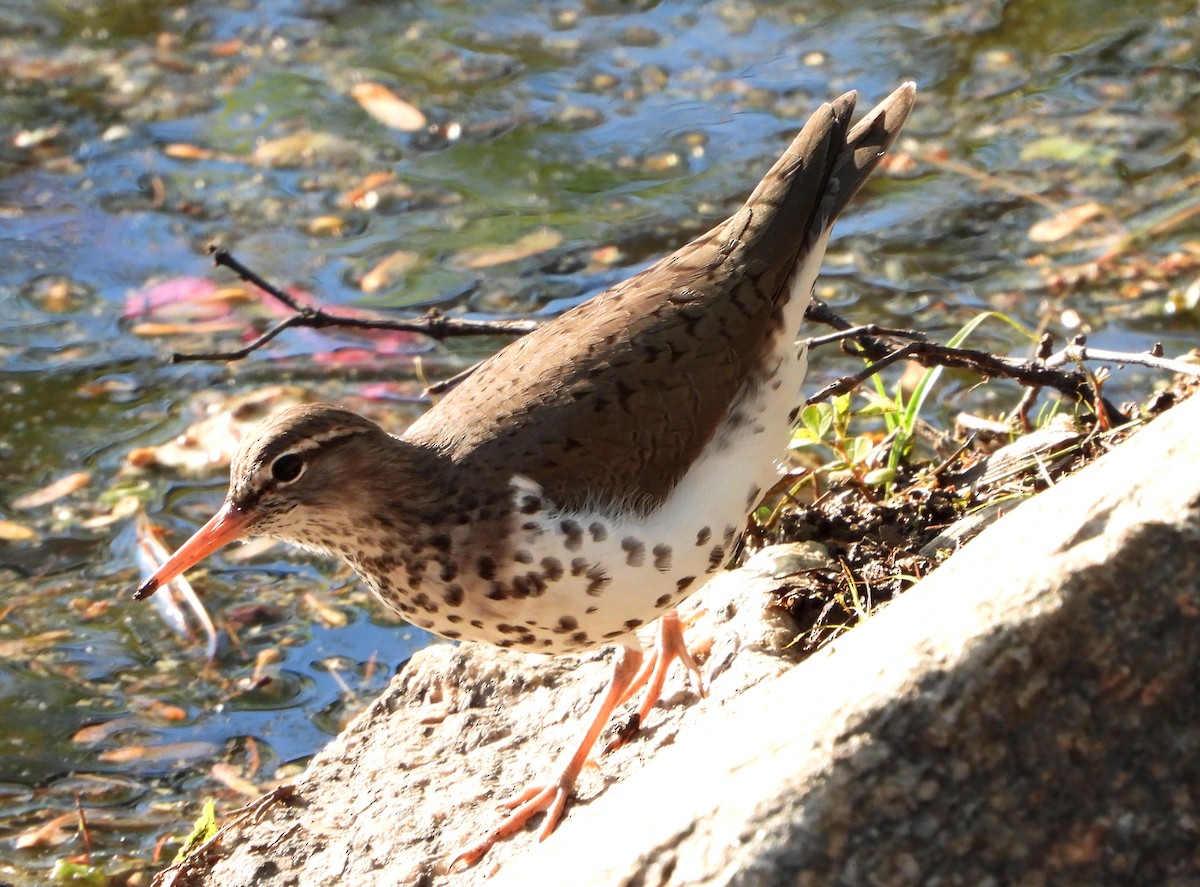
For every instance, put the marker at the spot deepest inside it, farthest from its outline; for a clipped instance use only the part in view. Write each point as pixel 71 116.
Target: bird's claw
pixel 526 805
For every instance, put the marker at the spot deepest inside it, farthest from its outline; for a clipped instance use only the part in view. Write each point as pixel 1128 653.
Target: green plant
pixel 204 828
pixel 827 426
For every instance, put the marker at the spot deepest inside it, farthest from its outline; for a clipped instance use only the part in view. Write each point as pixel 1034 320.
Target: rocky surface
pixel 1027 714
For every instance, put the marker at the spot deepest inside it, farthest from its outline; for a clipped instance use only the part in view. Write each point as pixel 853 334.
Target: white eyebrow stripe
pixel 306 445
pixel 313 441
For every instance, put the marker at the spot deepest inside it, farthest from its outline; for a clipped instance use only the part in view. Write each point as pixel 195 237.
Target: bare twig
pixel 446 384
pixel 84 831
pixel 1078 351
pixel 240 353
pixel 1036 374
pixel 871 341
pixel 868 329
pixel 433 324
pixel 222 257
pixel 982 362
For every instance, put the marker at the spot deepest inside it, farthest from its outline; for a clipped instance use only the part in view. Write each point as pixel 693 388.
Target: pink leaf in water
pixel 191 297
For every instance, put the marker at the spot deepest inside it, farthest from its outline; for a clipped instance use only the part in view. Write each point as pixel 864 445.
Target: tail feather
pixel 865 146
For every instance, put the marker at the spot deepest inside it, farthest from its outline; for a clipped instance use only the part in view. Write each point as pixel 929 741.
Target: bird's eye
pixel 287 468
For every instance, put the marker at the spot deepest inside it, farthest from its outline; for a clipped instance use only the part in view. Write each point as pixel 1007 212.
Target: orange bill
pixel 222 528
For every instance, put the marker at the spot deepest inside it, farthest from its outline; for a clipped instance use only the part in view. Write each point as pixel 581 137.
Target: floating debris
pixel 52 492
pixel 387 107
pixel 388 270
pixel 211 442
pixel 1064 223
pixel 531 244
pixel 152 554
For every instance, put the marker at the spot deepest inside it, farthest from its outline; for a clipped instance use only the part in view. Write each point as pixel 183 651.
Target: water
pixel 136 133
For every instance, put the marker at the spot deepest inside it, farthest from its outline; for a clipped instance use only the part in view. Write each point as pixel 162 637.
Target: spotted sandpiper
pixel 589 477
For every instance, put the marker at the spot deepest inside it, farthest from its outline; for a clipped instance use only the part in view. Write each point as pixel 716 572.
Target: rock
pixel 1027 714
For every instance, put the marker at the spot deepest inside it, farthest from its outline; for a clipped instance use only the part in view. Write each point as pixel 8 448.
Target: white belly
pixel 617 573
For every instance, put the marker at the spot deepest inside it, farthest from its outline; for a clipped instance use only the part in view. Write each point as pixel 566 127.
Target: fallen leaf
pixel 11 531
pixel 1066 222
pixel 304 149
pixel 227 775
pixel 358 196
pixel 57 298
pixel 185 298
pixel 31 138
pixel 142 457
pixel 254 547
pixel 663 161
pixel 203 830
pixel 182 151
pixel 48 834
pixel 212 441
pixel 77 870
pixel 124 507
pixel 531 244
pixel 52 492
pixel 387 107
pixel 897 163
pixel 328 226
pixel 254 614
pixel 329 616
pixel 388 269
pixel 89 610
pixel 171 751
pixel 164 711
pixel 386 391
pixel 93 733
pixel 23 648
pixel 226 48
pixel 1070 319
pixel 1065 149
pixel 266 658
pixel 106 388
pixel 150 330
pixel 606 255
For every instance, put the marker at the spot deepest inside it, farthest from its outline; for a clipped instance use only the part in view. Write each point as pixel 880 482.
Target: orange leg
pixel 553 797
pixel 669 647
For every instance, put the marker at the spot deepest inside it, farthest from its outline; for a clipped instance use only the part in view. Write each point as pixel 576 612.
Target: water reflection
pixel 138 133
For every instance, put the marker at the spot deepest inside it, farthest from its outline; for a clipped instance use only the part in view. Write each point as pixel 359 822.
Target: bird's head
pixel 305 475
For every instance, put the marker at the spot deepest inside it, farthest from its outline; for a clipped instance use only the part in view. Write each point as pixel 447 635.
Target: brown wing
pixel 628 387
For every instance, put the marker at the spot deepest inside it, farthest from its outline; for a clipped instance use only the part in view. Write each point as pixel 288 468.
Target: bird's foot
pixel 528 804
pixel 669 647
pixel 553 797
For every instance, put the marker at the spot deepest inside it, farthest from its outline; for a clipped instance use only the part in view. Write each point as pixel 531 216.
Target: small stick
pixel 434 324
pixel 1076 352
pixel 867 329
pixel 84 832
